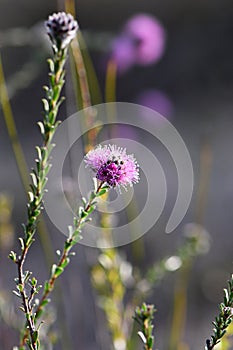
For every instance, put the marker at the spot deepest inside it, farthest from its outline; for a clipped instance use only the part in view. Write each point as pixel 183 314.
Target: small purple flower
pixel 61 28
pixel 142 41
pixel 113 166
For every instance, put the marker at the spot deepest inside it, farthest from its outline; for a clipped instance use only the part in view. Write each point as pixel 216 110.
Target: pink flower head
pixel 142 41
pixel 113 166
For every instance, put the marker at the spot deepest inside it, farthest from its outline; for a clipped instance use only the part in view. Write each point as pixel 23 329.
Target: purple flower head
pixel 142 41
pixel 113 166
pixel 61 29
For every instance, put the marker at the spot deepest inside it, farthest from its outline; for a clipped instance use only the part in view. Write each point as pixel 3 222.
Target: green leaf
pixel 13 256
pixel 20 287
pixel 41 126
pixel 38 152
pixel 84 214
pixel 16 293
pixel 33 281
pixel 90 210
pixel 58 271
pixel 45 302
pixel 150 342
pixel 101 192
pixel 46 104
pixel 92 196
pixel 27 274
pixel 46 287
pixel 84 201
pixel 22 243
pixel 142 336
pixel 51 64
pixel 56 93
pixel 34 179
pixel 35 336
pixel 31 196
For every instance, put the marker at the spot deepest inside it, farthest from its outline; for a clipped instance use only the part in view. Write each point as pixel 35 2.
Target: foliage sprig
pixel 224 318
pixel 144 316
pixel 26 284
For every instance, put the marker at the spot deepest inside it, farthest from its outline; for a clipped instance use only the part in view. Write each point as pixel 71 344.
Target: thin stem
pixel 20 160
pixel 11 129
pixel 110 83
pixel 84 87
pixel 86 102
pixel 67 247
pixel 64 259
pixel 25 301
pixel 39 180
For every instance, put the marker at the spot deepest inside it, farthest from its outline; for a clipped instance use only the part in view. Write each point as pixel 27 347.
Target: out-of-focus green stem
pixel 204 178
pixel 110 83
pixel 11 128
pixel 179 308
pixel 180 294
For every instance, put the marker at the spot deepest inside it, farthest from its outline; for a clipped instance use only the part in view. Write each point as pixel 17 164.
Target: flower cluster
pixel 113 166
pixel 61 28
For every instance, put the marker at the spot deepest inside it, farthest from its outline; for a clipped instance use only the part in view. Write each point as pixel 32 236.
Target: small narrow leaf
pixel 46 104
pixel 38 152
pixel 51 64
pixel 41 126
pixel 142 336
pixel 35 336
pixel 54 266
pixel 101 192
pixel 22 243
pixel 34 179
pixel 16 293
pixel 31 196
pixel 45 302
pixel 65 263
pixel 84 201
pixel 58 271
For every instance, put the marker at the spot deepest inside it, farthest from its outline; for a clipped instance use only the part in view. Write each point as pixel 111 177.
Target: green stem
pixel 58 269
pixel 39 180
pixel 11 129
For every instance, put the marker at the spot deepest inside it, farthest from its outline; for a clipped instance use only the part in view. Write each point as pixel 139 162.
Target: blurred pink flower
pixel 149 36
pixel 123 53
pixel 158 101
pixel 142 41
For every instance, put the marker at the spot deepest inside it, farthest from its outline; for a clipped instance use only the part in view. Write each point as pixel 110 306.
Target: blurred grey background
pixel 196 73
